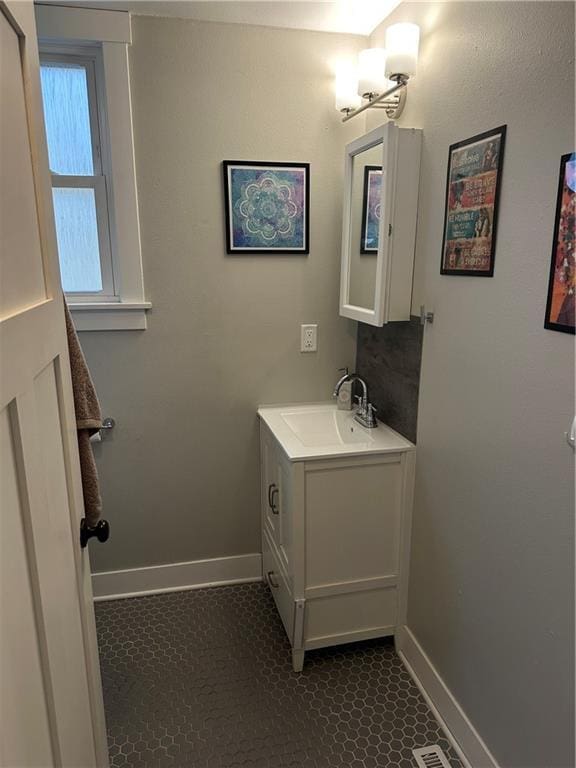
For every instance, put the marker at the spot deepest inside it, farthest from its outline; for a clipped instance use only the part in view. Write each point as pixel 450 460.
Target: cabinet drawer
pixel 273 574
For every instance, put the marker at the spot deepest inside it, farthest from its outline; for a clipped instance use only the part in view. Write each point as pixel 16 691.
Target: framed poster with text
pixel 561 303
pixel 471 213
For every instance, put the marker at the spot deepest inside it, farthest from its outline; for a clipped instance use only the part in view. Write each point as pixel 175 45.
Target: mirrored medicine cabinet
pixel 379 224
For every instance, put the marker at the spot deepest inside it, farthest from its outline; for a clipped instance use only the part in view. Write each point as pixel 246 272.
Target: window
pixel 88 113
pixel 74 130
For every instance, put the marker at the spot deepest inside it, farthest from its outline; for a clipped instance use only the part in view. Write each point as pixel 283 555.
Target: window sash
pixel 98 184
pixel 88 63
pixel 90 60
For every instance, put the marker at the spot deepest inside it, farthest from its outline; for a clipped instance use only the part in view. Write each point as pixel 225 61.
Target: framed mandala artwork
pixel 267 207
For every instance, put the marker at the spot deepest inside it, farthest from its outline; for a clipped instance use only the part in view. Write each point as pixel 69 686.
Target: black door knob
pixel 101 530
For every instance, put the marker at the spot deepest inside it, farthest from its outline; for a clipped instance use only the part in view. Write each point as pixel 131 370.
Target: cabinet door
pixel 277 499
pixel 270 486
pixel 285 516
pixel 353 513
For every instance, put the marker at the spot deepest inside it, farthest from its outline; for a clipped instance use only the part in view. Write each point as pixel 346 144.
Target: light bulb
pixel 346 87
pixel 402 49
pixel 371 67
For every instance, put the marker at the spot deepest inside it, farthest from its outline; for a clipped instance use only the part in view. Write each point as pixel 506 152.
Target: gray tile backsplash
pixel 389 358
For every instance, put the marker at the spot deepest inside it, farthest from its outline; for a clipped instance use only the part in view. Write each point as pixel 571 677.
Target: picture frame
pixel 560 301
pixel 471 208
pixel 371 201
pixel 267 207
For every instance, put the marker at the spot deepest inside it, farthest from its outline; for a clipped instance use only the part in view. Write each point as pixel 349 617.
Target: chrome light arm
pixel 392 100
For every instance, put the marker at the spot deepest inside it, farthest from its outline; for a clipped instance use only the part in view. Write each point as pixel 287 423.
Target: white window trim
pixel 111 30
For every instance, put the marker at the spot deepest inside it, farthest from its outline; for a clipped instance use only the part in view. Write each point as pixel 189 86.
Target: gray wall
pixel 180 475
pixel 491 597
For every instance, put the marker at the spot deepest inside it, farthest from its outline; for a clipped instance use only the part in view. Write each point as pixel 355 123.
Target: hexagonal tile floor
pixel 203 679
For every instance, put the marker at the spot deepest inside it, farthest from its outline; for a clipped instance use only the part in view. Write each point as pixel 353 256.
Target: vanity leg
pixel 297 660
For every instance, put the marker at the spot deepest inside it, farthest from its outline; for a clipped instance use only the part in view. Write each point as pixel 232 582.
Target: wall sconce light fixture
pixel 382 75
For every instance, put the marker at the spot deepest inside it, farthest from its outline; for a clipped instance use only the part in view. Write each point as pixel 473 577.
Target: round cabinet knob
pixel 101 531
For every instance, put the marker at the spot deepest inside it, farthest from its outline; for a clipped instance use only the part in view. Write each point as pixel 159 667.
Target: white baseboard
pixel 176 577
pixel 460 731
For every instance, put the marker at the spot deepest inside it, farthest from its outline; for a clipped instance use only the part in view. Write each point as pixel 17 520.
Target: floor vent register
pixel 430 757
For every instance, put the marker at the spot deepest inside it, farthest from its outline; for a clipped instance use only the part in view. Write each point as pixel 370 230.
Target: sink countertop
pixel 321 431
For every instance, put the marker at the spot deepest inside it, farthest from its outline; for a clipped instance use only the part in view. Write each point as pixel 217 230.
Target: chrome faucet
pixel 365 413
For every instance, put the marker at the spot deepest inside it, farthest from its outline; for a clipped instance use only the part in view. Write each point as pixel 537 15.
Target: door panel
pixel 52 711
pixel 51 524
pixel 24 713
pixel 22 272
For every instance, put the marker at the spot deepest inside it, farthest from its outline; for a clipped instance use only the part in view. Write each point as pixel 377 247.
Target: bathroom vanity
pixel 336 517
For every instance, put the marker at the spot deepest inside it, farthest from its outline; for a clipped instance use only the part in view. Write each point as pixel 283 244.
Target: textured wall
pixel 491 598
pixel 180 474
pixel 389 358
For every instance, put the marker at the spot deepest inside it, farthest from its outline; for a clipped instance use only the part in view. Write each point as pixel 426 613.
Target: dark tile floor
pixel 203 679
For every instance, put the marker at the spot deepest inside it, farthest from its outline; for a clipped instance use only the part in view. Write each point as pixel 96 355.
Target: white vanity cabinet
pixel 335 537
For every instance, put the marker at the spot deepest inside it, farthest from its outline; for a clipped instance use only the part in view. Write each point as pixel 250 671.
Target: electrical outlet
pixel 308 338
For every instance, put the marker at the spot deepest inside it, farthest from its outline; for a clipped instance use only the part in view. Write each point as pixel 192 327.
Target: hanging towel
pixel 88 422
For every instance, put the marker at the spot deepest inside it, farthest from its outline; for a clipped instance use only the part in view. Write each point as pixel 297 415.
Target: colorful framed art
pixel 267 207
pixel 560 305
pixel 472 197
pixel 371 203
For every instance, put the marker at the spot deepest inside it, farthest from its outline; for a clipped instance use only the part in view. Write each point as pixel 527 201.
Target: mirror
pixel 363 249
pixel 364 226
pixel 379 224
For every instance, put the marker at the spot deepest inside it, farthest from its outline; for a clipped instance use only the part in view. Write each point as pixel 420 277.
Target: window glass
pixel 77 233
pixel 67 117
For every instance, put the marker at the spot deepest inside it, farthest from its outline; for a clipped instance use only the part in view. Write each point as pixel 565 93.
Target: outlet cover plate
pixel 309 337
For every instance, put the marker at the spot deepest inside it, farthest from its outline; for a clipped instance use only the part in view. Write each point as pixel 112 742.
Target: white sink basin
pixel 326 427
pixel 320 430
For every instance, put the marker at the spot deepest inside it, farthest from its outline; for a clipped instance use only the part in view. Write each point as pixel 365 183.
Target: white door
pixel 51 711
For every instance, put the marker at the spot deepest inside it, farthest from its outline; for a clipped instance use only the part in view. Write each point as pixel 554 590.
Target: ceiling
pixel 351 16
